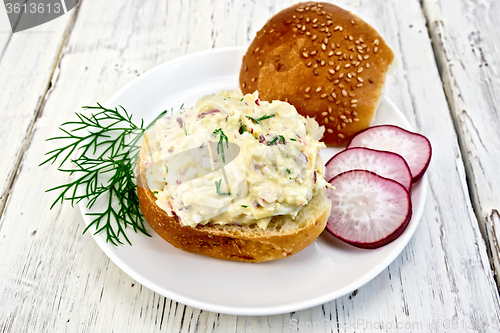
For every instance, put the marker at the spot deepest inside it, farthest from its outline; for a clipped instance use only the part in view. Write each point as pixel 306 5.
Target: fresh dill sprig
pixel 104 147
pixel 220 144
pixel 264 117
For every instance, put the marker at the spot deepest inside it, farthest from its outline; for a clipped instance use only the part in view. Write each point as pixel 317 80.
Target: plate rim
pixel 266 310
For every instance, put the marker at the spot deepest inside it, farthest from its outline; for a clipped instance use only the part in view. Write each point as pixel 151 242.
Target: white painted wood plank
pixel 60 281
pixel 26 67
pixel 467 43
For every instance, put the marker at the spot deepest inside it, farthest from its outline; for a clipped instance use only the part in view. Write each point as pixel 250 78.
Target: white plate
pixel 324 271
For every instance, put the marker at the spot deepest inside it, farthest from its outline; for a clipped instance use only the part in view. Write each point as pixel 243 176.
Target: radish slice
pixel 415 148
pixel 383 163
pixel 368 211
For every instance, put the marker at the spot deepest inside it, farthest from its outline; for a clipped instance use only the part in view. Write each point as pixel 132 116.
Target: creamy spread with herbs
pixel 272 166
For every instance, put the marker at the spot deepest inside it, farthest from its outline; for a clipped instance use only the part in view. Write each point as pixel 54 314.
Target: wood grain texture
pixel 467 43
pixel 27 66
pixel 54 279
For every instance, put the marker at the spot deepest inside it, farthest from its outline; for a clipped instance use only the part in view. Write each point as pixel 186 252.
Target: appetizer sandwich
pixel 235 178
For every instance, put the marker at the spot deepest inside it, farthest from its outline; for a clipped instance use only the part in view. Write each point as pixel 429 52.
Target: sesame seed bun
pixel 325 61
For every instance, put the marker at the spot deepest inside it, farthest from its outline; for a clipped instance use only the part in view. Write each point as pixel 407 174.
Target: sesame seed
pixel 323 47
pixel 244 84
pixel 371 81
pixel 331 71
pixel 356 119
pixel 348 80
pixel 314 37
pixel 305 55
pixel 331 118
pixel 299 26
pixel 357 63
pixel 271 31
pixel 351 94
pixel 315 20
pixel 260 63
pixel 354 101
pixel 253 79
pixel 325 41
pixel 352 22
pixel 324 113
pixel 342 117
pixel 315 66
pixel 375 49
pixel 366 57
pixel 313 52
pixel 294 29
pixel 308 89
pixel 343 124
pixel 299 10
pixel 347 65
pixel 318 89
pixel 368 65
pixel 336 81
pixel 360 79
pixel 337 68
pixel 315 72
pixel 329 23
pixel 331 63
pixel 341 75
pixel 360 57
pixel 330 54
pixel 309 64
pixel 345 121
pixel 323 96
pixel 256 50
pixel 326 120
pixel 334 95
pixel 307 96
pixel 330 99
pixel 340 135
pixel 330 130
pixel 329 109
pixel 336 28
pixel 354 113
pixel 364 46
pixel 349 75
pixel 361 40
pixel 357 42
pixel 308 33
pixel 323 63
pixel 354 105
pixel 344 93
pixel 341 86
pixel 340 28
pixel 375 42
pixel 360 69
pixel 350 38
pixel 361 51
pixel 359 85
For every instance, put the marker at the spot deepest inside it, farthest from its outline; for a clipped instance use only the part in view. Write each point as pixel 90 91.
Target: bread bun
pixel 325 61
pixel 282 238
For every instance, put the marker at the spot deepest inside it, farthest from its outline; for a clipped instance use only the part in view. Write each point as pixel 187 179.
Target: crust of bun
pixel 282 238
pixel 325 61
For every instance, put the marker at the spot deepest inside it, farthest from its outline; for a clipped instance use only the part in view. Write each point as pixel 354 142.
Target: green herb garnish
pixel 220 144
pixel 242 99
pixel 273 141
pixel 287 170
pixel 244 206
pixel 184 128
pixel 264 117
pixel 292 139
pixel 217 187
pixel 104 147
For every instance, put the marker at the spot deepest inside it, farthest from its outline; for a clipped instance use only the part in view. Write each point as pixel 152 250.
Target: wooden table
pixel 53 279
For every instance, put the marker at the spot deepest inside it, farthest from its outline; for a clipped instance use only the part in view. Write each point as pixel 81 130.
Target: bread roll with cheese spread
pixel 284 208
pixel 325 61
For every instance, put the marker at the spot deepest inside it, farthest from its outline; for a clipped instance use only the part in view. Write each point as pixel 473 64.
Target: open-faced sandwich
pixel 235 178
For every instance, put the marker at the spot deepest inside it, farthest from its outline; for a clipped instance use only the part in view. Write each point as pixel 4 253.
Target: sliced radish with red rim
pixel 368 211
pixel 413 147
pixel 383 163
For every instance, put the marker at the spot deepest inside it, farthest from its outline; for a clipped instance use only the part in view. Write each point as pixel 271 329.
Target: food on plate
pixel 383 163
pixel 234 178
pixel 325 61
pixel 368 211
pixel 413 147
